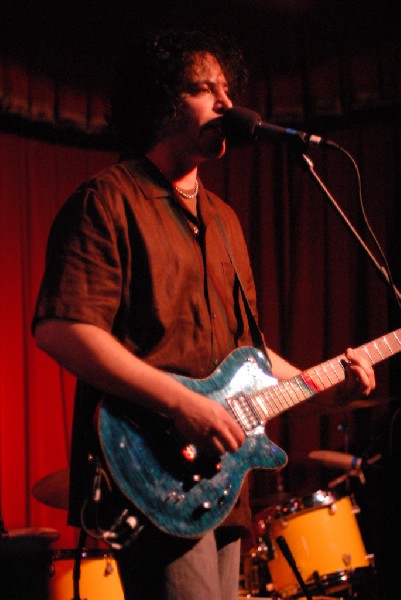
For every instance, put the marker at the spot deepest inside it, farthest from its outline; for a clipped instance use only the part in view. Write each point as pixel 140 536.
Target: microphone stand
pixel 309 167
pixel 285 549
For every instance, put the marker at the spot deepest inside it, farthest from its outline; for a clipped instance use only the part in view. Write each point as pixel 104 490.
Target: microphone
pixel 241 125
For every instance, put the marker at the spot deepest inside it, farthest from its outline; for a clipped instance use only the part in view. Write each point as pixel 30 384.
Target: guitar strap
pixel 257 336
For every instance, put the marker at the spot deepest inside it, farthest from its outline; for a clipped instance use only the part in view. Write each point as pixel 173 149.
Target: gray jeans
pixel 159 567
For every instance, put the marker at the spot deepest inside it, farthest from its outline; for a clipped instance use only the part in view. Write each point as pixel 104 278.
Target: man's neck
pixel 176 171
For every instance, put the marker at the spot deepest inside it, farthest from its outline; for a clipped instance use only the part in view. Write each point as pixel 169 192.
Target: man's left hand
pixel 360 377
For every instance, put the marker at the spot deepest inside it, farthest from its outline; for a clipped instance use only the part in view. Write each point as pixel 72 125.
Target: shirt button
pixel 216 362
pixel 214 316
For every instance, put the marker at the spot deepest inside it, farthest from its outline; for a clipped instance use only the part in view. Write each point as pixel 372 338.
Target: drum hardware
pixel 99 578
pixel 255 581
pixel 285 549
pixel 76 573
pixel 325 541
pixel 343 460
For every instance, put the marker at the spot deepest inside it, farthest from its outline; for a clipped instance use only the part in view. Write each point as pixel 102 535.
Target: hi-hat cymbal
pixel 52 490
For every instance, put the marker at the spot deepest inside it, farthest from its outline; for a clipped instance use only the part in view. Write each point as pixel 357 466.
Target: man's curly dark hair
pixel 149 82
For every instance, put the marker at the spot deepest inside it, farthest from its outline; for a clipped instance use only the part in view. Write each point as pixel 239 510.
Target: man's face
pixel 196 130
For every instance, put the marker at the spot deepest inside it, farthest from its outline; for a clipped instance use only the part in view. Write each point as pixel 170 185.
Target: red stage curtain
pixel 36 395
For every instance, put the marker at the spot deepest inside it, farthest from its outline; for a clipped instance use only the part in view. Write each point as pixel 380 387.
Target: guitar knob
pixel 201 509
pixel 223 498
pixel 190 452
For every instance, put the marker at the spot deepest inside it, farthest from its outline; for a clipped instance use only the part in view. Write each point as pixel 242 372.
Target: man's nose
pixel 223 101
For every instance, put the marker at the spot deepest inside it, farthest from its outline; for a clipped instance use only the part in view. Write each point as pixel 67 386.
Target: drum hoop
pixel 318 499
pixel 338 578
pixel 70 554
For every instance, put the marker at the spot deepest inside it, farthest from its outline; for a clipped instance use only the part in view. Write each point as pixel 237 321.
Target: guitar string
pixel 279 397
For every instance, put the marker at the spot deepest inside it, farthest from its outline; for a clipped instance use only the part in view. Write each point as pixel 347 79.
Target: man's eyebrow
pixel 207 82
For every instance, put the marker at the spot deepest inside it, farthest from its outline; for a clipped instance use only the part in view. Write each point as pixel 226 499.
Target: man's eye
pixel 201 89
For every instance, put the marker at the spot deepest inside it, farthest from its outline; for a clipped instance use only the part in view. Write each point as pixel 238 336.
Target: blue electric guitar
pixel 184 493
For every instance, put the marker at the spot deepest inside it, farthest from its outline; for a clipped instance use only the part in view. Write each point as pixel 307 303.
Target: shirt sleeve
pixel 83 275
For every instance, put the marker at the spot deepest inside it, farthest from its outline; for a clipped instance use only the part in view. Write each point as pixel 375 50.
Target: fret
pixel 339 374
pixel 260 406
pixel 278 398
pixel 388 345
pixel 368 354
pixel 291 392
pixel 315 369
pixel 378 351
pixel 273 396
pixel 388 348
pixel 269 401
pixel 383 347
pixel 326 373
pixel 297 389
pixel 284 393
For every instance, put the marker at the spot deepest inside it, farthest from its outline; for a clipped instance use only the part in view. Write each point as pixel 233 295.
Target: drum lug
pixel 333 508
pixel 371 560
pixel 108 569
pixel 347 560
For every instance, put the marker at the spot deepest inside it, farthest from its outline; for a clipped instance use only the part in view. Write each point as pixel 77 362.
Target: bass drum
pixel 324 538
pixel 99 579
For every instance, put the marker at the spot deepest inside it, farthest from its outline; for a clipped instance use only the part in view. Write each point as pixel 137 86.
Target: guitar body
pixel 187 495
pixel 182 496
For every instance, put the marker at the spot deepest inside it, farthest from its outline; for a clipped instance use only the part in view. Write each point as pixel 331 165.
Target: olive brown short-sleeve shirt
pixel 124 256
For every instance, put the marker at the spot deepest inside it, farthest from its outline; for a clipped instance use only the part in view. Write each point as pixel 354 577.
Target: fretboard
pixel 272 401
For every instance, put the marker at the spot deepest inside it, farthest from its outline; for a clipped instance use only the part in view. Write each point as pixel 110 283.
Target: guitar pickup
pixel 243 412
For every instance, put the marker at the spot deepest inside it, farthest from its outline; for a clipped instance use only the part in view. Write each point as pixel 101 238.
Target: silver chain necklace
pixel 185 194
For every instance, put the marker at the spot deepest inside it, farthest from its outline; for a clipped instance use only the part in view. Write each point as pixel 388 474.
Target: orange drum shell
pixel 99 579
pixel 326 539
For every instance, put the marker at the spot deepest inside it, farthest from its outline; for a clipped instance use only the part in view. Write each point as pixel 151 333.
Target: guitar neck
pixel 274 400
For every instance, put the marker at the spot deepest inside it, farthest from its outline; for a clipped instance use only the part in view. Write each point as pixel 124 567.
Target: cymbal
pixel 50 535
pixel 52 490
pixel 322 409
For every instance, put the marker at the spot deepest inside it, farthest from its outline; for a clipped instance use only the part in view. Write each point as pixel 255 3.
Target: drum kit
pixel 305 548
pixel 78 573
pixel 311 546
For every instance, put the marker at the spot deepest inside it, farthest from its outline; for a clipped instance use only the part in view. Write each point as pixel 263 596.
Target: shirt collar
pixel 154 185
pixel 148 177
